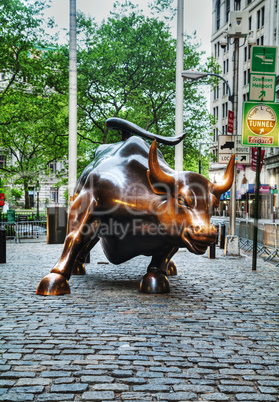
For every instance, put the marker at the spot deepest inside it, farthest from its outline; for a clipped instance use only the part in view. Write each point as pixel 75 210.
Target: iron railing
pixel 25 230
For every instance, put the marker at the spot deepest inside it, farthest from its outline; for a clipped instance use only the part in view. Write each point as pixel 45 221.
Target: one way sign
pixel 243 154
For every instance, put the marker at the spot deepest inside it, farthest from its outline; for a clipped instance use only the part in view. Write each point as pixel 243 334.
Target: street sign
pixel 262 87
pixel 226 147
pixel 11 216
pixel 260 124
pixel 264 59
pixel 230 122
pixel 243 154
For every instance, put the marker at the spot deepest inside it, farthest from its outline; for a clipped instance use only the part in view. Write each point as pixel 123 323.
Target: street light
pixel 196 75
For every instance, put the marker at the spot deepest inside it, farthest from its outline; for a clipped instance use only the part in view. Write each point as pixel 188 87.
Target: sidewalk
pixel 214 337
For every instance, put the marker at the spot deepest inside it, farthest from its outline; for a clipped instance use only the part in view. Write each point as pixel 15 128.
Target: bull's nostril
pixel 197 229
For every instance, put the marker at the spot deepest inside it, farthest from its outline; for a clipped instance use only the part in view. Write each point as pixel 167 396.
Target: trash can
pixel 56 225
pixel 2 245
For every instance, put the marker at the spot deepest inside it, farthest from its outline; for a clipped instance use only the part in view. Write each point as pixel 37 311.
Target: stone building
pixel 261 23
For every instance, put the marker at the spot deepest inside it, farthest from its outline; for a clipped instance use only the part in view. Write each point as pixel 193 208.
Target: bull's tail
pixel 128 128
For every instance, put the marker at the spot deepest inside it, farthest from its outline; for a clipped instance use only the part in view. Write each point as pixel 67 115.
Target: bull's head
pixel 186 203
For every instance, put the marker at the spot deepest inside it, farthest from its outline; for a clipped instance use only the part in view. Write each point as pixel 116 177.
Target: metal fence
pixel 268 238
pixel 25 230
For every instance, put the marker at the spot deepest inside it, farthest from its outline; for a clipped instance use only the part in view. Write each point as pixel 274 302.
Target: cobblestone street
pixel 214 337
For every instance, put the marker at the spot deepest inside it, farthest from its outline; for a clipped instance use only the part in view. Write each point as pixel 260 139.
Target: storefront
pixel 245 202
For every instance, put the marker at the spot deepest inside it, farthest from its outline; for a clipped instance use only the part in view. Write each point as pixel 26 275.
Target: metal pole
pixel 200 158
pixel 72 104
pixel 179 85
pixel 256 218
pixel 38 211
pixel 235 108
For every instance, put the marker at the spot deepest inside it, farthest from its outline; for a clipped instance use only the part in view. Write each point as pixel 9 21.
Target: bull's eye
pixel 181 201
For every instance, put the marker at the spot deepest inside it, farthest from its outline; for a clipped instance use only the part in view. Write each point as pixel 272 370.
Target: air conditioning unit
pixel 238 24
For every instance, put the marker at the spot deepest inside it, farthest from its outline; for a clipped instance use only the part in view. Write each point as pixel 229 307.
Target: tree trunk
pixel 26 196
pixel 105 135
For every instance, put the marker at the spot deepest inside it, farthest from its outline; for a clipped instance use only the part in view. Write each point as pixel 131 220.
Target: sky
pixel 197 15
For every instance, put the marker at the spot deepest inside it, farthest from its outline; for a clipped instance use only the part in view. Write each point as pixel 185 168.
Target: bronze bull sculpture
pixel 135 204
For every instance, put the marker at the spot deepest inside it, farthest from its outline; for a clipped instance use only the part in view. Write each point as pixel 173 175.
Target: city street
pixel 214 337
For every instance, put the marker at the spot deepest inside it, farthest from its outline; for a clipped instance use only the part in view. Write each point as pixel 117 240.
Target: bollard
pixel 212 247
pixel 2 245
pixel 212 251
pixel 222 235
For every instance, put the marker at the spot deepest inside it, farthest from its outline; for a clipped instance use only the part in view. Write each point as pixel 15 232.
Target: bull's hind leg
pixel 82 231
pixel 79 268
pixel 156 281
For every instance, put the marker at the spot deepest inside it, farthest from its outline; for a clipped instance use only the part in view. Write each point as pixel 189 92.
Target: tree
pixel 33 117
pixel 126 68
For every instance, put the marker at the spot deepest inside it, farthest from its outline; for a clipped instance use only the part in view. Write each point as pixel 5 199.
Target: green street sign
pixel 262 87
pixel 11 216
pixel 260 124
pixel 264 59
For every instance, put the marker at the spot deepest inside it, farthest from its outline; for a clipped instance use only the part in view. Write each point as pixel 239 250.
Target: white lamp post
pixel 72 176
pixel 179 85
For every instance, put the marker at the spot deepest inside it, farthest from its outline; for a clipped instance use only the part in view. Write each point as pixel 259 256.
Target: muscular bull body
pixel 135 204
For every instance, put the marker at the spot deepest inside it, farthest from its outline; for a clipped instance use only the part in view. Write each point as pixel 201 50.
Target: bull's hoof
pixel 78 268
pixel 172 269
pixel 154 281
pixel 53 285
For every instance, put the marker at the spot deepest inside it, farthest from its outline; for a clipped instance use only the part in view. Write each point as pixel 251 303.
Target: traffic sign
pixel 260 124
pixel 226 147
pixel 262 87
pixel 230 122
pixel 243 154
pixel 264 59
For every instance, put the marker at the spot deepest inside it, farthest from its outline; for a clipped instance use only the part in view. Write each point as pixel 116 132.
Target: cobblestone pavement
pixel 214 337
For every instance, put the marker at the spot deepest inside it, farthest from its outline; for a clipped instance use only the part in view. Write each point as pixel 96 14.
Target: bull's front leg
pixel 156 281
pixel 81 236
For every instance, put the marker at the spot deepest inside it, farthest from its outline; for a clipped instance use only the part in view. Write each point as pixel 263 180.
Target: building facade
pixel 262 25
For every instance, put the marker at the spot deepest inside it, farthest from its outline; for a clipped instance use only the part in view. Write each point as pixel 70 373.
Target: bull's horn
pixel 155 172
pixel 218 189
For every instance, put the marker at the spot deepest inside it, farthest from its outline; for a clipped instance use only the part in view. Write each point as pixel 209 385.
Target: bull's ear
pixel 157 188
pixel 160 181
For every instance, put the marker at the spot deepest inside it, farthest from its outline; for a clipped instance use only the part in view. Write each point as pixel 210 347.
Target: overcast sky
pixel 197 15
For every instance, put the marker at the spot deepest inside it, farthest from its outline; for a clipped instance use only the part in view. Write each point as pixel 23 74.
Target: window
pixel 245 78
pixel 215 112
pixel 237 5
pixel 258 19
pixel 262 40
pixel 225 110
pixel 228 7
pixel 225 89
pixel 216 93
pixel 250 23
pixel 249 52
pixel 245 53
pixel 52 167
pixel 248 75
pixel 2 161
pixel 218 14
pixel 217 49
pixel 262 16
pixel 54 194
pixel 227 65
